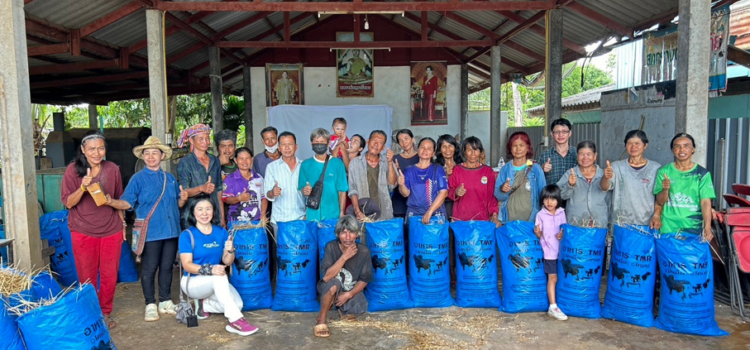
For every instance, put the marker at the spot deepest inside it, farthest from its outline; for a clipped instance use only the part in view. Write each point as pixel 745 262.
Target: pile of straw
pixel 13 281
pixel 432 337
pixel 248 225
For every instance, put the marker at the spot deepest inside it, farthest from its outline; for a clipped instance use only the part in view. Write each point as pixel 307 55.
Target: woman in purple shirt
pixel 243 190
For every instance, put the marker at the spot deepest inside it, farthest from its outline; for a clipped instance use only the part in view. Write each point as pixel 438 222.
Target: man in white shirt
pixel 281 180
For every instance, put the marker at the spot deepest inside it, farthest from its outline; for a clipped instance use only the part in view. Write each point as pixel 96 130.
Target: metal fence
pixel 581 132
pixel 728 153
pixel 728 156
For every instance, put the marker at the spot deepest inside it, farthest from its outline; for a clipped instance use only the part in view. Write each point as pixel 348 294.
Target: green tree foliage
pixel 534 96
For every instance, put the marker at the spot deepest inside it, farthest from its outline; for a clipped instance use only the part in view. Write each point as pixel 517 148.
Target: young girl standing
pixel 547 228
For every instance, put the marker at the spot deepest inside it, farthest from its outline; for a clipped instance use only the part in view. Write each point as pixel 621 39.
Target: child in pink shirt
pixel 547 228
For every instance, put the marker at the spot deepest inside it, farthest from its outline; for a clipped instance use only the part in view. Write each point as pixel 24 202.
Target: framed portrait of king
pixel 284 84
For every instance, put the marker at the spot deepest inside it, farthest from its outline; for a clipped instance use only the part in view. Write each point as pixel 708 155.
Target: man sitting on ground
pixel 346 270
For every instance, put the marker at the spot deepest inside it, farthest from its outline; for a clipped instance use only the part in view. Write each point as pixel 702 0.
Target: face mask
pixel 319 148
pixel 272 149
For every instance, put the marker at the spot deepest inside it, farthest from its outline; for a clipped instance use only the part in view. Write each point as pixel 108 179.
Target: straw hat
pixel 153 142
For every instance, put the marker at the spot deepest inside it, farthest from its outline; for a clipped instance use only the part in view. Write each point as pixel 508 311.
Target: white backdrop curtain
pixel 302 120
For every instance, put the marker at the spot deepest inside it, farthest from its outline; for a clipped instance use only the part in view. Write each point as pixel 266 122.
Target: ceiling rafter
pixel 356 6
pixel 599 18
pixel 110 18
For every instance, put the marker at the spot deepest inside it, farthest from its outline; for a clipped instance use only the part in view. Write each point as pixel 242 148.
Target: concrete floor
pixel 448 328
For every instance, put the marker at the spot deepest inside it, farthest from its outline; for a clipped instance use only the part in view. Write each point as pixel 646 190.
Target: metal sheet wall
pixel 733 164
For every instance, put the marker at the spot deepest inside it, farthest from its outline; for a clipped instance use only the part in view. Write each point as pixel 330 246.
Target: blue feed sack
pixel 388 289
pixel 326 234
pixel 579 271
pixel 128 271
pixel 632 276
pixel 54 228
pixel 686 303
pixel 250 275
pixel 74 321
pixel 476 268
pixel 44 286
pixel 10 337
pixel 297 273
pixel 522 263
pixel 429 271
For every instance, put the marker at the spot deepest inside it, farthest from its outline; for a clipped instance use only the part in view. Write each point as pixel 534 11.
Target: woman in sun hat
pixel 144 191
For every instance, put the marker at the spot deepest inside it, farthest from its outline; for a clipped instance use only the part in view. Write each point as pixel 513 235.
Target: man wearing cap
pixel 156 196
pixel 200 172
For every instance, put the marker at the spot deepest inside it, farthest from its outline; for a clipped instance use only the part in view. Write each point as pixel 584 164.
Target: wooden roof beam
pixel 539 30
pixel 600 18
pixel 356 6
pixel 507 36
pixel 74 67
pixel 491 34
pixel 194 32
pixel 338 44
pixel 110 18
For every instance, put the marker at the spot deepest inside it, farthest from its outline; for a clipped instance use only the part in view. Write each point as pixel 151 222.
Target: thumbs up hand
pixel 209 186
pixel 276 189
pixel 666 183
pixel 572 178
pixel 307 189
pixel 608 172
pixel 401 178
pixel 506 186
pixel 547 167
pixel 87 179
pixel 460 191
pixel 244 197
pixel 183 194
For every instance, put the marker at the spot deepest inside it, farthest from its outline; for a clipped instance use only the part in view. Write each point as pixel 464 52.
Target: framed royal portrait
pixel 284 84
pixel 354 68
pixel 428 101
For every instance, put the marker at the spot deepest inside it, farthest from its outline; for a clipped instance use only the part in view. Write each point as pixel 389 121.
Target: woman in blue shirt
pixel 520 181
pixel 142 193
pixel 424 184
pixel 206 249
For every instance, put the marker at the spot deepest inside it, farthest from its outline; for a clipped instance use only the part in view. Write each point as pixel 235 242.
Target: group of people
pixel 356 179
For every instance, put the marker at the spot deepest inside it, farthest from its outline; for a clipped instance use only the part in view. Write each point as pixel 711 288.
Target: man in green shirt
pixel 685 191
pixel 335 185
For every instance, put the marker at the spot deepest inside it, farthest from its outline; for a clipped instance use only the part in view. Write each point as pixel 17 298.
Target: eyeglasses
pixel 556 133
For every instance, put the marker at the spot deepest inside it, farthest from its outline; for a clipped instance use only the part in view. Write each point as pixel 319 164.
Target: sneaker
pixel 202 315
pixel 151 313
pixel 241 327
pixel 557 313
pixel 167 307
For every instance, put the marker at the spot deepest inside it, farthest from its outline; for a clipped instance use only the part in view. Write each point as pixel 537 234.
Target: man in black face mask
pixel 334 181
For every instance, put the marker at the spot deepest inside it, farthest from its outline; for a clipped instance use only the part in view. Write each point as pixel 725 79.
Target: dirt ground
pixel 447 328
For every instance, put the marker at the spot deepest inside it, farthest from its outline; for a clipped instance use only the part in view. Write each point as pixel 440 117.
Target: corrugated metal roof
pixel 739 23
pixel 73 13
pixel 132 28
pixel 586 97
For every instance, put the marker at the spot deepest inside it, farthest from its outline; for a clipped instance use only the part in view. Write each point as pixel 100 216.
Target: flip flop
pixel 321 331
pixel 349 318
pixel 111 324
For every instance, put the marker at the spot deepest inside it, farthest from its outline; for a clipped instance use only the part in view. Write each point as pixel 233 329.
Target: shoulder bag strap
pixel 325 166
pixel 525 175
pixel 187 282
pixel 164 188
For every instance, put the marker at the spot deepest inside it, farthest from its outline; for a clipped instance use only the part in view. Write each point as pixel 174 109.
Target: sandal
pixel 349 318
pixel 111 324
pixel 321 331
